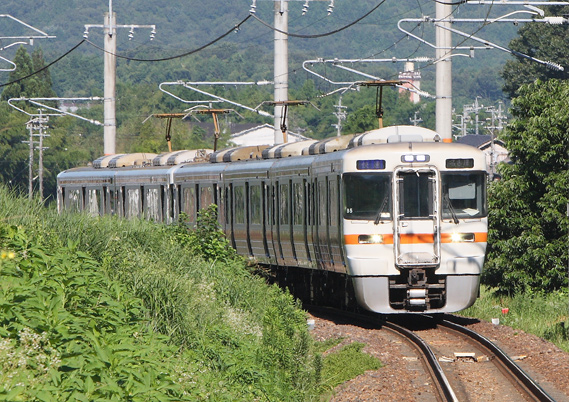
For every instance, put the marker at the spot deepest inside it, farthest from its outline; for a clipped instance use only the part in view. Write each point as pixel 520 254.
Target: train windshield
pixel 367 196
pixel 464 195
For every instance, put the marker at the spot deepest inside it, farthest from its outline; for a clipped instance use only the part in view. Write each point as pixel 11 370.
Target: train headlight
pixel 462 237
pixel 370 239
pixel 410 158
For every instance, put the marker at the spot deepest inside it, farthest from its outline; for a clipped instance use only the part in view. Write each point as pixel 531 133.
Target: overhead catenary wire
pixel 314 36
pixel 45 67
pixel 234 28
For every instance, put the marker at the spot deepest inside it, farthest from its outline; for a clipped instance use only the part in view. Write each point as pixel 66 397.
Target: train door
pixel 334 230
pixel 256 221
pixel 240 231
pixel 269 227
pixel 299 212
pixel 229 230
pixel 285 222
pixel 417 234
pixel 322 224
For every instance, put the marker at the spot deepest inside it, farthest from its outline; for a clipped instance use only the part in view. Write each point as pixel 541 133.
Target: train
pixel 394 218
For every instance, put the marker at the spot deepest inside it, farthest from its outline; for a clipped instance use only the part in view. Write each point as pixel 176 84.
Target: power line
pixel 234 28
pixel 317 35
pixel 45 67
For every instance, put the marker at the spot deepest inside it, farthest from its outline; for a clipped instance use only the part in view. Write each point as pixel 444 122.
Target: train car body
pixel 397 212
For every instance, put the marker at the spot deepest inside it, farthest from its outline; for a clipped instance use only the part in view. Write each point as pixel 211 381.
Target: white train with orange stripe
pixel 394 216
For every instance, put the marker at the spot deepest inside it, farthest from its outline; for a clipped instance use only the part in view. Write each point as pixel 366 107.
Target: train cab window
pixel 239 209
pixel 464 195
pixel 367 196
pixel 416 194
pixel 255 204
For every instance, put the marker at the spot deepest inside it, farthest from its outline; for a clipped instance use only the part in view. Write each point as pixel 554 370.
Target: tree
pixel 528 222
pixel 543 41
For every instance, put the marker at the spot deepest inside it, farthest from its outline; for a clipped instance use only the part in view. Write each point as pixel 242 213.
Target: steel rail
pixel 443 385
pixel 512 368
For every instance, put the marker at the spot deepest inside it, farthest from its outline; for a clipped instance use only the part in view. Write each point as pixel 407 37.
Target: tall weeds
pixel 234 337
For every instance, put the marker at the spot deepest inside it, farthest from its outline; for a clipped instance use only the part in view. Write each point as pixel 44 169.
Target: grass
pixel 542 314
pixel 208 330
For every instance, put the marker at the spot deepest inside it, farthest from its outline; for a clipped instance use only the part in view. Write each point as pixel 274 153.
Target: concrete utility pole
pixel 443 72
pixel 281 60
pixel 110 68
pixel 110 72
pixel 281 67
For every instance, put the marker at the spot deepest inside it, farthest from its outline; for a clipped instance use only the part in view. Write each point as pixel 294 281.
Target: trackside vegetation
pixel 99 308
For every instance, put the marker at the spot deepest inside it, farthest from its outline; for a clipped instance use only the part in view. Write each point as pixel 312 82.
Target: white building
pixel 261 135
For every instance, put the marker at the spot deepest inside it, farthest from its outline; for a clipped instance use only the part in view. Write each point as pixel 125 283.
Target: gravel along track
pixel 403 377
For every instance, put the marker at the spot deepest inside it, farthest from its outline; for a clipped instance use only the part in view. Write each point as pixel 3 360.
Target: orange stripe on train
pixel 417 238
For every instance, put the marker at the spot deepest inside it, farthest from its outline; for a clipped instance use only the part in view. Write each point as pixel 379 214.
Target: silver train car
pixel 398 215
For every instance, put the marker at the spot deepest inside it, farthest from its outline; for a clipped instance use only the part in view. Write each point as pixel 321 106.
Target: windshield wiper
pixel 451 209
pixel 383 204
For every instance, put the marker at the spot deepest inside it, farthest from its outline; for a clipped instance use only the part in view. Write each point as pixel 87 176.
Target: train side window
pixel 284 204
pixel 93 202
pixel 206 196
pixel 189 202
pixel 152 204
pixel 73 199
pixel 132 208
pixel 255 204
pixel 239 192
pixel 228 204
pixel 298 208
pixel 322 203
pixel 333 202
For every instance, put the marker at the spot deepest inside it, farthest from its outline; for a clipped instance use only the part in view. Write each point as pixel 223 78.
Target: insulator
pixel 554 66
pixel 555 20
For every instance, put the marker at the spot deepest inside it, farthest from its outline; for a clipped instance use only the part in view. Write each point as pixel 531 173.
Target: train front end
pixel 415 225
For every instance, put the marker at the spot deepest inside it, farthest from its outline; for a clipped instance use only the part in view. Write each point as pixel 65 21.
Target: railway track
pixel 493 375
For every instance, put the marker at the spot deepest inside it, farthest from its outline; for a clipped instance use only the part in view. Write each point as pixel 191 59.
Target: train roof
pixel 387 135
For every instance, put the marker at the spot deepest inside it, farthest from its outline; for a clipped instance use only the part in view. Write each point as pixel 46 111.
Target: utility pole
pixel 341 115
pixel 280 67
pixel 281 60
pixel 443 71
pixel 34 125
pixel 110 72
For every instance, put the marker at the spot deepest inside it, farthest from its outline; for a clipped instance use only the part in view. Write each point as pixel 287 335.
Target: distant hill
pixel 186 25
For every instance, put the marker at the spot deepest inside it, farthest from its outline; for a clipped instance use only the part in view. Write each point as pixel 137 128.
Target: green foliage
pixel 207 239
pixel 345 364
pixel 543 314
pixel 528 222
pixel 543 41
pixel 67 332
pixel 223 333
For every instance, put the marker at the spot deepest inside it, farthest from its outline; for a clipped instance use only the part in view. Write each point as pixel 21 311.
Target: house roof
pixel 478 141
